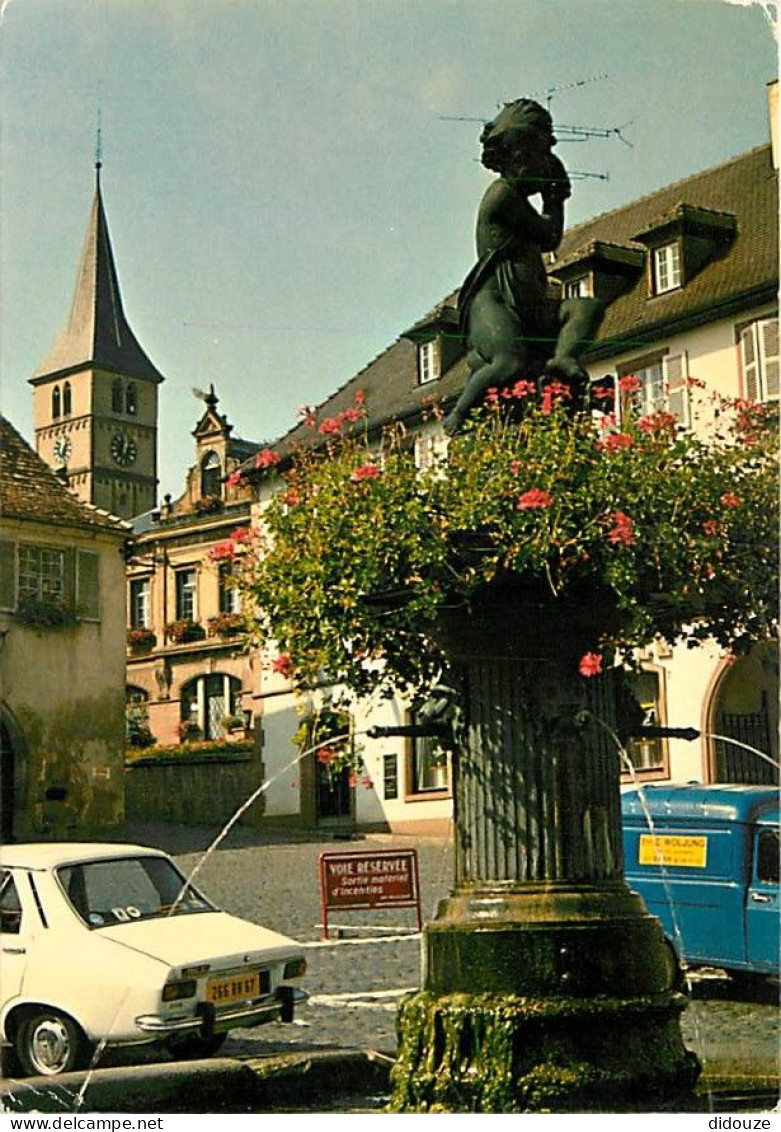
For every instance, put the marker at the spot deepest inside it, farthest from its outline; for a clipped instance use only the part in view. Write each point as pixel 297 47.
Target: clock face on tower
pixel 62 449
pixel 123 449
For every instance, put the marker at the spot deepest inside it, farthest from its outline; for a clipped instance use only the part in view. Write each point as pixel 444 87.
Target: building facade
pixel 192 685
pixel 62 655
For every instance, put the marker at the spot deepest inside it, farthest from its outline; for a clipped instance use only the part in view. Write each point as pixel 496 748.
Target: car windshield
pixel 123 889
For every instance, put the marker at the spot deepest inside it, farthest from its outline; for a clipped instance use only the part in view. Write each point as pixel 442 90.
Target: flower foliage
pixel 361 549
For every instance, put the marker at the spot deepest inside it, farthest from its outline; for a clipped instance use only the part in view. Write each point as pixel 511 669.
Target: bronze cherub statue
pixel 513 328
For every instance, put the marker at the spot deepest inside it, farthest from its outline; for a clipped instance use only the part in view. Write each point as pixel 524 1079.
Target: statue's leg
pixel 496 356
pixel 578 322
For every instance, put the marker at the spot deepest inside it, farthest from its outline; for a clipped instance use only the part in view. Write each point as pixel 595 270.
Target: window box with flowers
pixel 45 612
pixel 189 731
pixel 225 625
pixel 184 631
pixel 140 641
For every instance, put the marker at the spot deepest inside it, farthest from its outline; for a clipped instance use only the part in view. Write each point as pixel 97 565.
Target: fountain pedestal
pixel 547 986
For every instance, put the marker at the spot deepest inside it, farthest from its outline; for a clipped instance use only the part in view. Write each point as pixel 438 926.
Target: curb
pixel 283 1082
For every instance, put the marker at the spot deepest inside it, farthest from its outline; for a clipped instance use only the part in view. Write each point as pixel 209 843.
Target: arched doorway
pixel 7 784
pixel 744 708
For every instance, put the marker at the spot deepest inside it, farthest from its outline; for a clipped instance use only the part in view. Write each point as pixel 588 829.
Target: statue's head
pixel 519 140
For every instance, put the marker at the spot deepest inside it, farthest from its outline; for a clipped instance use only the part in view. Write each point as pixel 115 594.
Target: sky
pixel 290 184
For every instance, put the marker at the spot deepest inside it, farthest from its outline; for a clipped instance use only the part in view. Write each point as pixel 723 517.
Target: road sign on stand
pixel 387 878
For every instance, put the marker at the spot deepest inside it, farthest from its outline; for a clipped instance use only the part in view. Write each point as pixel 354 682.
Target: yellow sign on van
pixel 669 849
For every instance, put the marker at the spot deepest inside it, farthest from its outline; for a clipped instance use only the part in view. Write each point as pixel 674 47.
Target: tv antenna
pixel 564 132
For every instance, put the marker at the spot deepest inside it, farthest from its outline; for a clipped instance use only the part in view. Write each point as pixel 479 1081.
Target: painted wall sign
pixel 387 878
pixel 669 849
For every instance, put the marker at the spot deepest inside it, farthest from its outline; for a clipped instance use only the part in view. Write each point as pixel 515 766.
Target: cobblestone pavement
pixel 355 983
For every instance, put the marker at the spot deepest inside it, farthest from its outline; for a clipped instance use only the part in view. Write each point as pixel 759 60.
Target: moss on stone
pixel 505 1054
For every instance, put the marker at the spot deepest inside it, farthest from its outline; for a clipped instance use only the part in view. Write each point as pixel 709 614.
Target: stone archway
pixel 744 707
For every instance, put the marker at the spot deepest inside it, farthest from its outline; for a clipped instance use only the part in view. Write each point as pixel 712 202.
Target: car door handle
pixel 14 951
pixel 758 898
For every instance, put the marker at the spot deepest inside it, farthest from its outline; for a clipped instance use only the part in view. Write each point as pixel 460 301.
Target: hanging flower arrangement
pixel 361 552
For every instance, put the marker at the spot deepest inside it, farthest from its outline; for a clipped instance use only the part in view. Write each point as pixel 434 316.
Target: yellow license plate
pixel 233 988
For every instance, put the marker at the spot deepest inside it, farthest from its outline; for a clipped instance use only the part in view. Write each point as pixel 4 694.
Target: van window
pixel 767 856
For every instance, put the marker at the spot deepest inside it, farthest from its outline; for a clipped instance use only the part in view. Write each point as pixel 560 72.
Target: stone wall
pixel 195 792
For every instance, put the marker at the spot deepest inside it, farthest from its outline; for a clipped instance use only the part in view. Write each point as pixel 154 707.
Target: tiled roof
pixel 97 332
pixel 744 187
pixel 29 489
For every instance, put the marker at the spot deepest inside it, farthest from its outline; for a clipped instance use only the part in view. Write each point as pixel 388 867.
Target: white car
pixel 110 944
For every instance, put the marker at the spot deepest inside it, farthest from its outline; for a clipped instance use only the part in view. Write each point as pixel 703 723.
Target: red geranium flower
pixel 266 459
pixel 241 534
pixel 283 665
pixel 222 550
pixel 233 479
pixel 616 442
pixel 365 472
pixel 730 500
pixel 711 526
pixel 533 499
pixel 523 388
pixel 590 664
pixel 630 384
pixel 623 531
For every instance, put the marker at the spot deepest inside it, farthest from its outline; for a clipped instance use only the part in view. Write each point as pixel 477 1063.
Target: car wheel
pixel 191 1047
pixel 48 1043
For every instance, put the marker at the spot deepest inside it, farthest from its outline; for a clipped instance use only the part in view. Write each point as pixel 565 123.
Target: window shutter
pixel 768 330
pixel 675 373
pixel 70 578
pixel 750 362
pixel 7 574
pixel 88 585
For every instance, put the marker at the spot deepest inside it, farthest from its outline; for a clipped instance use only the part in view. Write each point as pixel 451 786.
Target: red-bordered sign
pixel 387 878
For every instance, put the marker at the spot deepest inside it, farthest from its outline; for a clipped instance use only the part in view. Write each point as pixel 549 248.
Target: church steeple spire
pixel 97 333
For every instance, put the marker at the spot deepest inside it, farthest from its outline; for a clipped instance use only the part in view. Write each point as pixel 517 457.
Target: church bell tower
pixel 95 395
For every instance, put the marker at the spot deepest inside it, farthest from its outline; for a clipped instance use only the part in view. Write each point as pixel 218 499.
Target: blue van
pixel 705 859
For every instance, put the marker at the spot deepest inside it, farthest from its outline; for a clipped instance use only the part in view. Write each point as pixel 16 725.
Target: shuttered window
pixel 759 359
pixel 60 577
pixel 7 574
pixel 88 585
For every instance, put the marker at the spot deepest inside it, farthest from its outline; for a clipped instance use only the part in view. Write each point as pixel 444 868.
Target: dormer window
pixel 428 361
pixel 578 288
pixel 211 474
pixel 667 268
